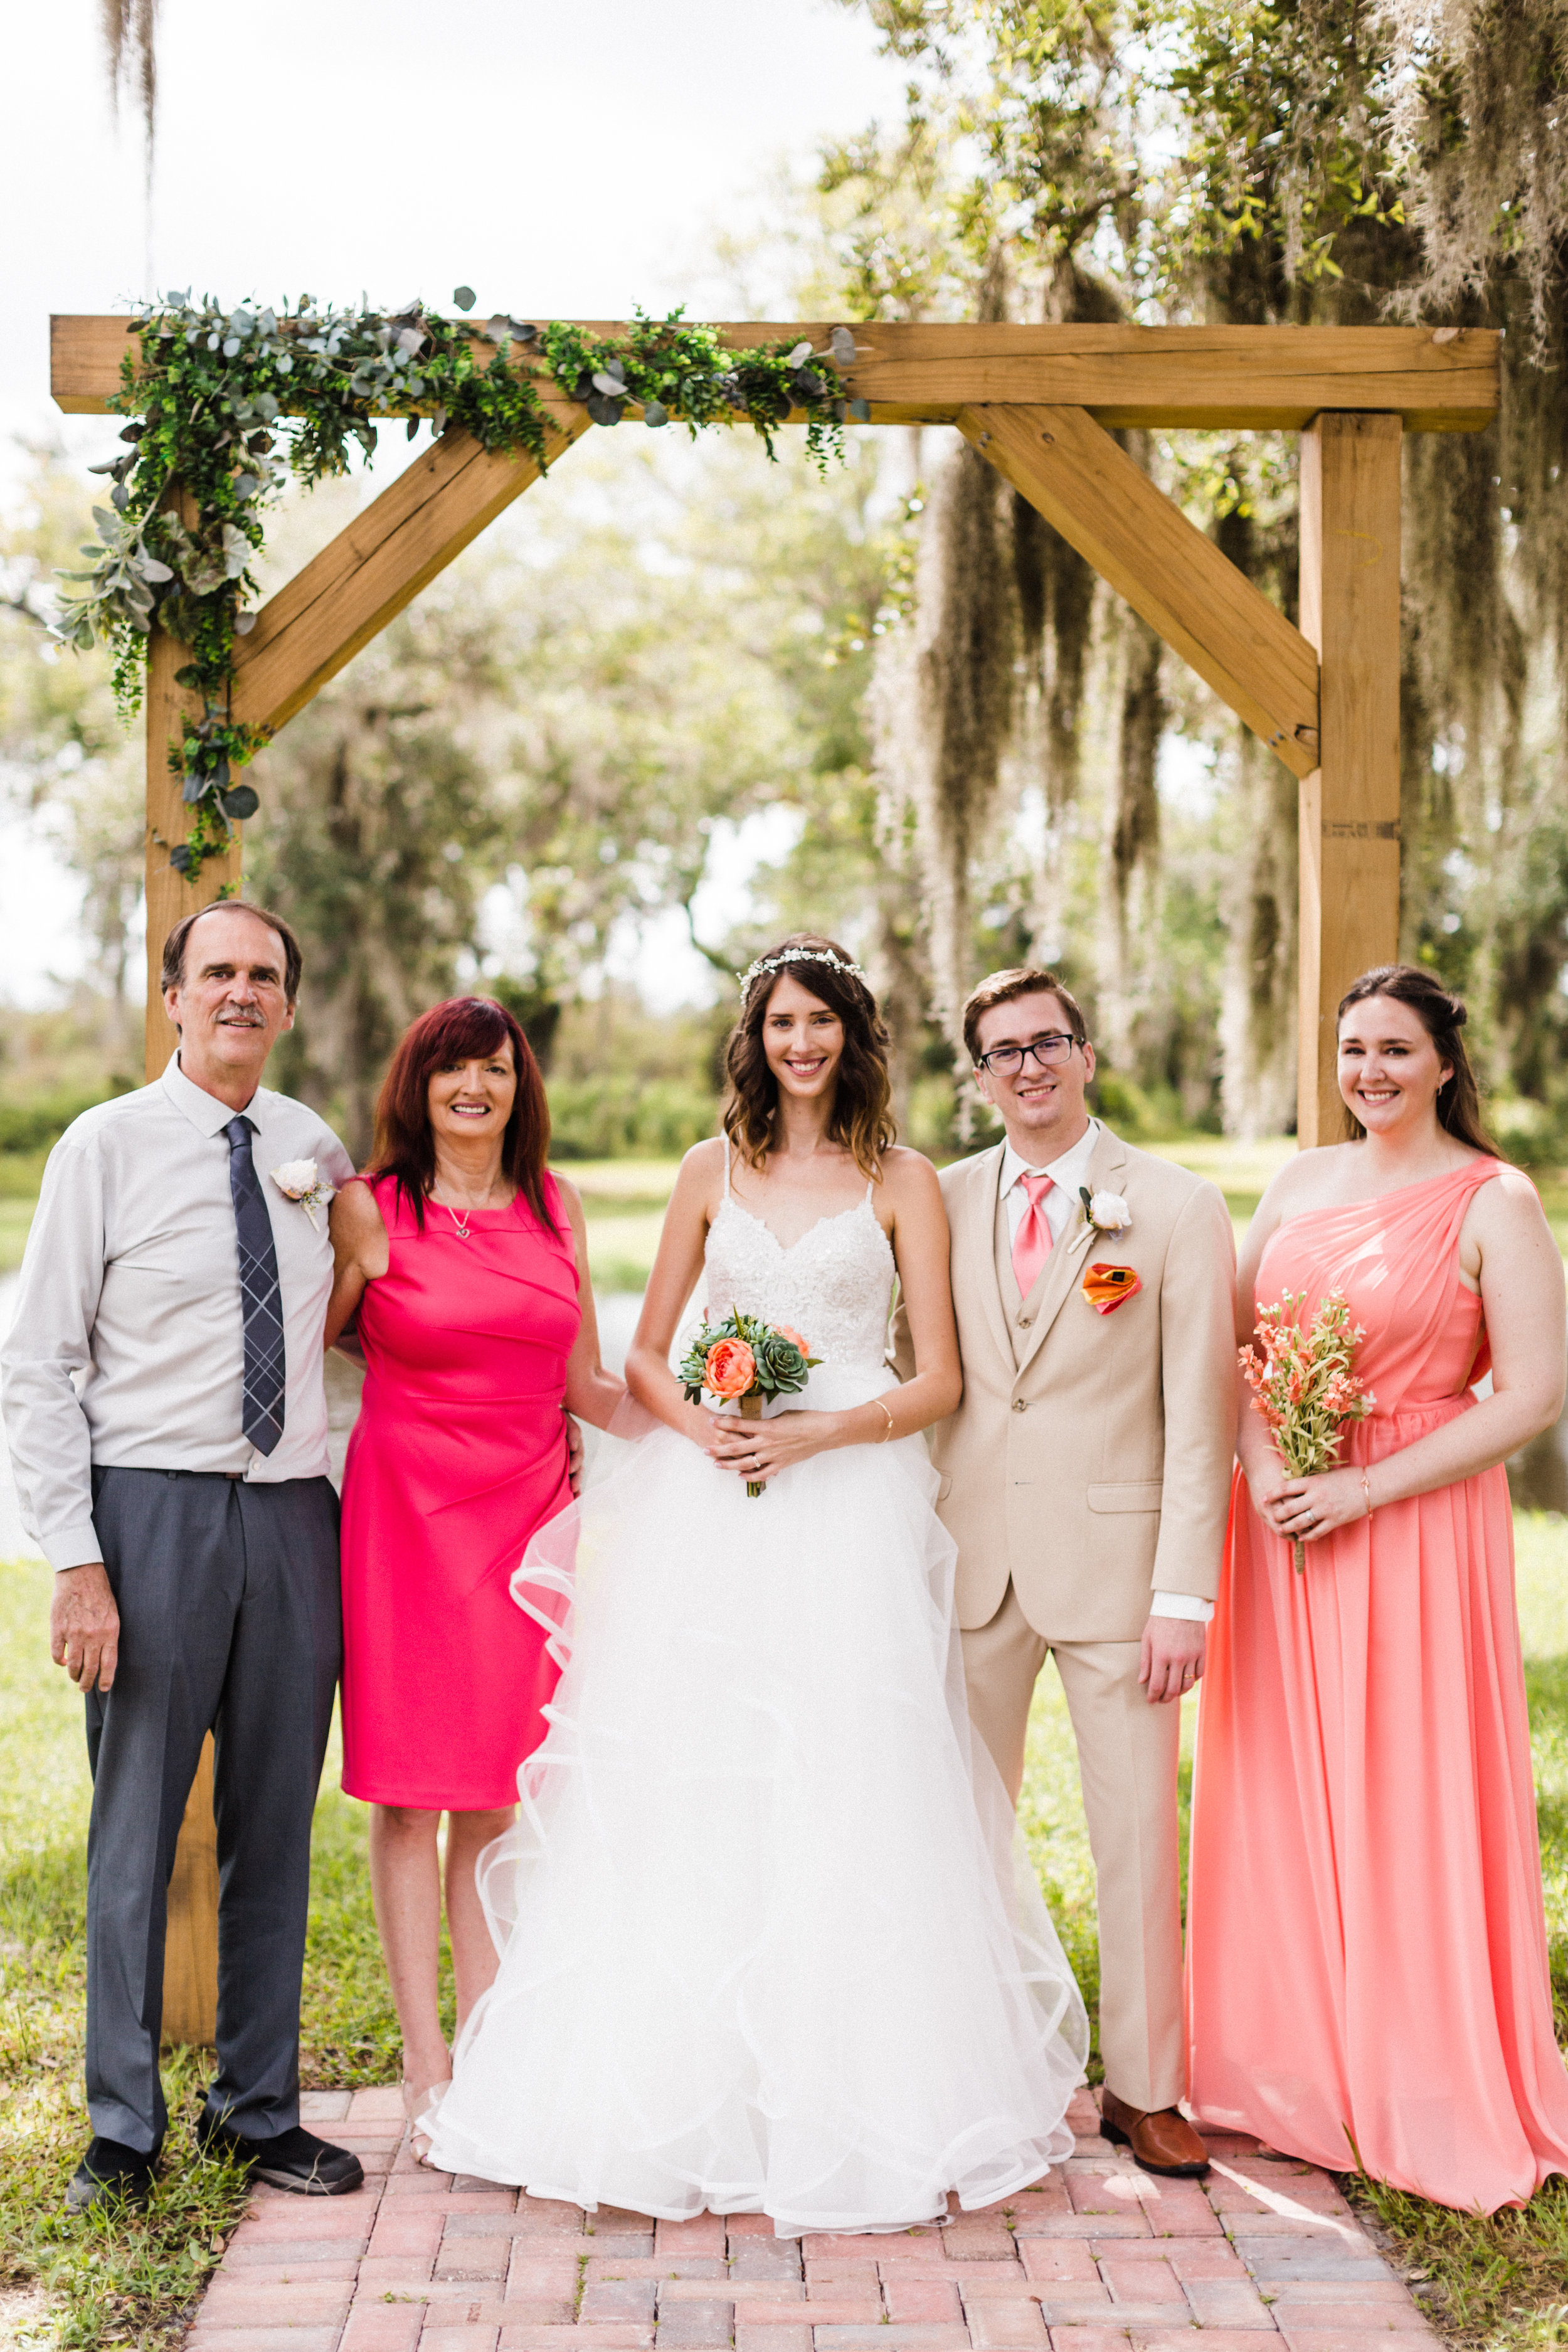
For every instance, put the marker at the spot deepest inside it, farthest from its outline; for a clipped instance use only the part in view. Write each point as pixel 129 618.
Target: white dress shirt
pixel 128 1344
pixel 1060 1206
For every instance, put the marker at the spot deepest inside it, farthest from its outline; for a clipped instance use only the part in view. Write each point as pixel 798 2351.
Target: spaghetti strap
pixel 870 1184
pixel 726 1167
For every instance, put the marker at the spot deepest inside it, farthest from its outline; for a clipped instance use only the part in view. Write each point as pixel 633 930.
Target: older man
pixel 167 1420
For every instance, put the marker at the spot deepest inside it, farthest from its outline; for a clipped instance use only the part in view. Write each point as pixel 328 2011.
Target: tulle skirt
pixel 768 1940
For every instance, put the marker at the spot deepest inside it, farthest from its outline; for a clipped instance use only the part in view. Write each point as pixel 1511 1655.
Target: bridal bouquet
pixel 749 1361
pixel 1305 1388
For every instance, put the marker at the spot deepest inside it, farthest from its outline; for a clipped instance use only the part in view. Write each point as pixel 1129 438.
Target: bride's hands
pixel 759 1450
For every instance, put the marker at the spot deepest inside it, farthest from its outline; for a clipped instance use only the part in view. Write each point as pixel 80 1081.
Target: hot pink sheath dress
pixel 1367 1970
pixel 459 1455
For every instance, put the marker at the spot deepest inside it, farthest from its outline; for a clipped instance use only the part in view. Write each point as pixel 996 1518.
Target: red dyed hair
pixel 404 1143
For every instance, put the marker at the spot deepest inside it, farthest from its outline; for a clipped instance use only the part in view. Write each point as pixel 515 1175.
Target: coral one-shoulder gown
pixel 1367 1964
pixel 459 1455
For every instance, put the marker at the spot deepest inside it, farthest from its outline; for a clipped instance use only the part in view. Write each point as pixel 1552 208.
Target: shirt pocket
pixel 1127 1495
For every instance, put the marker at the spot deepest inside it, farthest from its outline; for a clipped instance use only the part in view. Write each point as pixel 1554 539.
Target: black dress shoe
pixel 294 2159
pixel 111 2173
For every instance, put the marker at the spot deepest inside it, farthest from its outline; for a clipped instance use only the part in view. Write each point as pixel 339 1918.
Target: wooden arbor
pixel 1040 402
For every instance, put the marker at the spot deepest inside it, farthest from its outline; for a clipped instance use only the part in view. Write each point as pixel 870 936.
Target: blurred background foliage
pixel 946 742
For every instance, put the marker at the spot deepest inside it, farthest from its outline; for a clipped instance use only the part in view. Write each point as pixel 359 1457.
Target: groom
pixel 1086 1477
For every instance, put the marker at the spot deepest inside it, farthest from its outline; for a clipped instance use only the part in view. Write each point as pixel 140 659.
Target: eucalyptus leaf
pixel 841 343
pixel 134 432
pixel 614 387
pixel 243 624
pixel 800 354
pixel 413 427
pixel 121 496
pixel 243 801
pixel 464 297
pixel 860 410
pixel 231 347
pixel 604 411
pixel 655 413
pixel 195 790
pixel 151 568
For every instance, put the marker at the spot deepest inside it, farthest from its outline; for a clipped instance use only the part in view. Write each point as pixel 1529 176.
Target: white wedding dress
pixel 769 1943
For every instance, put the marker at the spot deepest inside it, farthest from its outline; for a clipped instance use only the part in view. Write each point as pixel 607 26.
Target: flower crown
pixel 798 955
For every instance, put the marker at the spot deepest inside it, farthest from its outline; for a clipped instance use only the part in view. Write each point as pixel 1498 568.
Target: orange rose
pixel 792 1337
pixel 729 1368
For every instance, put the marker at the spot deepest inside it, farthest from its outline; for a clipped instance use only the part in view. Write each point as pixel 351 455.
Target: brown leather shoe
pixel 1164 2141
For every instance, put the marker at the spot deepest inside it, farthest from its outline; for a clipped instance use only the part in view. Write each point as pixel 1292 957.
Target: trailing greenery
pixel 227 403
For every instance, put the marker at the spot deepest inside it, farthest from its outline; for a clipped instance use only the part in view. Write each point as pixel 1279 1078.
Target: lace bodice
pixel 834 1285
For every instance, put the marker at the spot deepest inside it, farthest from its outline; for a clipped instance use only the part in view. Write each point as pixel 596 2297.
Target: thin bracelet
pixel 889 1431
pixel 1366 1490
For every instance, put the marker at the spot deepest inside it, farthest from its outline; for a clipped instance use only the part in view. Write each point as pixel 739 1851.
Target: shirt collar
pixel 1068 1172
pixel 205 1113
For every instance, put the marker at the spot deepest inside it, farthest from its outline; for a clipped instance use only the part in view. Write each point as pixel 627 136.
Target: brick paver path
pixel 1266 2255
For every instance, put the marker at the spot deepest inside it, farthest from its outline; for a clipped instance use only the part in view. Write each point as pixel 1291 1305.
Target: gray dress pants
pixel 230 1621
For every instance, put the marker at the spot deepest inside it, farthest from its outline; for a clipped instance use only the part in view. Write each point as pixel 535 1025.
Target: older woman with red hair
pixel 466 1262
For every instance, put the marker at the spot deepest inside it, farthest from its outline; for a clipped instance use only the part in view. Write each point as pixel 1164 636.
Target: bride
pixel 765 1944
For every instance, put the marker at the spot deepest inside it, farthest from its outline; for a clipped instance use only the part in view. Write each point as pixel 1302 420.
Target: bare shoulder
pixel 1508 1203
pixel 356 1212
pixel 907 1178
pixel 699 1179
pixel 1307 1180
pixel 571 1199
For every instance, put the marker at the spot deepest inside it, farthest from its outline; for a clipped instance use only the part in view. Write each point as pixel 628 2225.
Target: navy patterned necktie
pixel 260 1297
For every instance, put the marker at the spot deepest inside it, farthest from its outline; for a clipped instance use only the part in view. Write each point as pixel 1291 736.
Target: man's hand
pixel 574 1452
pixel 1173 1658
pixel 84 1626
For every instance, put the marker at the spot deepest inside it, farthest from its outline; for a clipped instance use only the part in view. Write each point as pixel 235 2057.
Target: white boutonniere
pixel 1103 1213
pixel 302 1181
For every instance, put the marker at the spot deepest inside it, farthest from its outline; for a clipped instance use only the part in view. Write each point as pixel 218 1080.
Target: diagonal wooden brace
pixel 1106 507
pixel 370 571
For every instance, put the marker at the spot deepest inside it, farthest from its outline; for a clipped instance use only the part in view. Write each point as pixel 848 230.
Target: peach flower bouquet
pixel 1305 1388
pixel 744 1360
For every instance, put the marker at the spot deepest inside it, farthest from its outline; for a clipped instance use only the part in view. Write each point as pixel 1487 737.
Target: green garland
pixel 227 404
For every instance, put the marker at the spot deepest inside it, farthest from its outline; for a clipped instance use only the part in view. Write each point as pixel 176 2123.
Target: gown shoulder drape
pixel 1368 1981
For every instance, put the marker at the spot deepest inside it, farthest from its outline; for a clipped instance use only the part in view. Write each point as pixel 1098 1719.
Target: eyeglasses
pixel 1007 1061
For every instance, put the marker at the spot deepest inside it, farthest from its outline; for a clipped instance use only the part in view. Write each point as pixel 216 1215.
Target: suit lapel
pixel 974 1247
pixel 1064 1268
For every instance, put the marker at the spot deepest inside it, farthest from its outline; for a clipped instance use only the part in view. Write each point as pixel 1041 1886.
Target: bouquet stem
pixel 751 1410
pixel 1300 1551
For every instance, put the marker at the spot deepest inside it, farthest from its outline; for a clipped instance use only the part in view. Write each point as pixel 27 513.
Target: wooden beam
pixel 190 1945
pixel 1350 805
pixel 169 894
pixel 1106 507
pixel 1443 380
pixel 375 567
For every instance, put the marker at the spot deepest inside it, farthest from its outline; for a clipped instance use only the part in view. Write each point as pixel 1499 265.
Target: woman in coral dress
pixel 465 1260
pixel 1367 1965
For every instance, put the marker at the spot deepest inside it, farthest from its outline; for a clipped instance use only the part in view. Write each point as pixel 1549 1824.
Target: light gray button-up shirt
pixel 128 1344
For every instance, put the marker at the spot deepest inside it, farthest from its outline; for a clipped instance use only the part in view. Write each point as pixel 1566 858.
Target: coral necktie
pixel 1032 1242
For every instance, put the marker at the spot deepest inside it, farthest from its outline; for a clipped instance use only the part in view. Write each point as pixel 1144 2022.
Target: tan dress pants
pixel 1127 1754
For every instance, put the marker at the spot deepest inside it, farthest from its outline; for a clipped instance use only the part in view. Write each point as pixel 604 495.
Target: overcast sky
pixel 570 159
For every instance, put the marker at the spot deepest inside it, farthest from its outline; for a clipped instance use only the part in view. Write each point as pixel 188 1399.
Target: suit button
pixel 1025 1321
pixel 1020 1404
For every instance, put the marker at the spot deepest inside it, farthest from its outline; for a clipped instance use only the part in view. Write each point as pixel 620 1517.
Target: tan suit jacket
pixel 1090 1459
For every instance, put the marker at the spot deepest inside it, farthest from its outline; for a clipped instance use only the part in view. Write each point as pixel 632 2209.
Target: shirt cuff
pixel 1182 1604
pixel 73 1546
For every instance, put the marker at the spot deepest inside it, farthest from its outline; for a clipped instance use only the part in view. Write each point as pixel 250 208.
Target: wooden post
pixel 190 1954
pixel 169 894
pixel 1350 804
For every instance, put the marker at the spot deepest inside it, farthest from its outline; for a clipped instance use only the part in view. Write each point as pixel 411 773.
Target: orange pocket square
pixel 1106 1287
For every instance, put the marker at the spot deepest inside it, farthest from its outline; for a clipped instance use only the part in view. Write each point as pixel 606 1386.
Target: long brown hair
pixel 1443 1016
pixel 862 1115
pixel 463 1027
